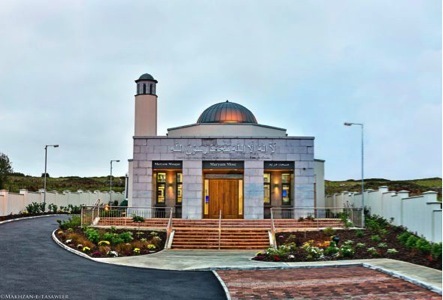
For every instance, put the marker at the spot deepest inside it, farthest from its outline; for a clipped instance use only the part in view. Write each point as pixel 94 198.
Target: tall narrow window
pixel 161 187
pixel 286 188
pixel 179 191
pixel 150 89
pixel 267 188
pixel 144 88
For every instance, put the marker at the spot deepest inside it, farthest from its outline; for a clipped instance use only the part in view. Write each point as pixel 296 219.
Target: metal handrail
pixel 169 228
pixel 219 229
pixel 273 230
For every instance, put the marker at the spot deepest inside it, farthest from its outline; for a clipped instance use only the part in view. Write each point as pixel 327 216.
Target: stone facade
pixel 253 151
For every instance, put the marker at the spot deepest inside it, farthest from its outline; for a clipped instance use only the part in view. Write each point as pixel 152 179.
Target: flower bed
pixel 379 240
pixel 109 242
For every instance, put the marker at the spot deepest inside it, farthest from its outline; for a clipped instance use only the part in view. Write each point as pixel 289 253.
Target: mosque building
pixel 226 163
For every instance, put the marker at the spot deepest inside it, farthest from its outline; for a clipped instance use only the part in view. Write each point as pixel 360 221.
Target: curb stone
pixel 222 283
pixel 404 277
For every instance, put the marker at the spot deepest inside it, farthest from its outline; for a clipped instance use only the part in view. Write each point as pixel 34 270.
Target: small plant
pixel 403 237
pixel 301 219
pixel 436 250
pixel 92 235
pixel 372 252
pixel 329 231
pixel 104 243
pixel 382 245
pixel 151 247
pixel 411 242
pixel 383 232
pixel 347 251
pixel 53 208
pixel 423 246
pixel 126 236
pixel 360 245
pixel 359 233
pixel 310 218
pixel 332 250
pixel 392 251
pixel 73 222
pixel 136 250
pixel 138 219
pixel 86 249
pixel 375 238
pixel 348 243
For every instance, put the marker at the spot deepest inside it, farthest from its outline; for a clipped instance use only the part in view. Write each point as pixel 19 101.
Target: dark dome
pixel 227 112
pixel 146 76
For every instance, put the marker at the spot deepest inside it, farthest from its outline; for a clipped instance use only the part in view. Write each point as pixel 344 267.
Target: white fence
pixel 13 203
pixel 419 214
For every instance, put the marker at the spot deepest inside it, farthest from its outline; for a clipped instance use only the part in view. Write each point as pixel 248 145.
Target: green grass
pixel 60 184
pixel 414 186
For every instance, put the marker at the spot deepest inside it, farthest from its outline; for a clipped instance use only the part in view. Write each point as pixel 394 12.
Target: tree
pixel 5 169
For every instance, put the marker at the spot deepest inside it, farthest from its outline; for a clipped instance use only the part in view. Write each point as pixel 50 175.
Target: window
pixel 267 188
pixel 161 187
pixel 144 88
pixel 286 188
pixel 179 187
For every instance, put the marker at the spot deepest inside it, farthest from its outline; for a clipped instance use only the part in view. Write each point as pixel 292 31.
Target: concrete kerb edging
pixel 404 277
pixel 222 283
pixel 98 260
pixel 56 240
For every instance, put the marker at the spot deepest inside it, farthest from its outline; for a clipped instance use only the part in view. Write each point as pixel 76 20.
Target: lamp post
pixel 46 165
pixel 110 180
pixel 362 170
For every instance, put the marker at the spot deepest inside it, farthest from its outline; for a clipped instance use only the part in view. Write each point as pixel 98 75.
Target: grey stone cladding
pixel 252 151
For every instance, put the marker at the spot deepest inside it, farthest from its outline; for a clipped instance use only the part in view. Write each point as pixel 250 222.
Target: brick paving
pixel 353 282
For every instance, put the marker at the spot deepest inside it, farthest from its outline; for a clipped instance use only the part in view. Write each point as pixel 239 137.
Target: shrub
pixel 372 225
pixel 92 235
pixel 359 233
pixel 436 250
pixel 423 246
pixel 373 252
pixel 331 250
pixel 114 238
pixel 126 236
pixel 329 231
pixel 138 219
pixel 53 208
pixel 403 237
pixel 347 251
pixel 382 245
pixel 411 242
pixel 375 238
pixel 73 222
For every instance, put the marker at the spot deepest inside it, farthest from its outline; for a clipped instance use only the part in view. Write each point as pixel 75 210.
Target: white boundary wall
pixel 419 214
pixel 13 203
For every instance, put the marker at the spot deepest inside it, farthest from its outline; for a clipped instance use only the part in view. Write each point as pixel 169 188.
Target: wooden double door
pixel 224 196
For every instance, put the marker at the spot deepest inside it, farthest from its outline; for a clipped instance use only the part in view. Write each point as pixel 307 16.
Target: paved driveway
pixel 31 264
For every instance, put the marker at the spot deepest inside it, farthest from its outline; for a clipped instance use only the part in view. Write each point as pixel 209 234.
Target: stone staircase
pixel 234 234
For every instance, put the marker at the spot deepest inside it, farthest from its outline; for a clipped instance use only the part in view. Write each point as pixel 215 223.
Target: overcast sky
pixel 67 71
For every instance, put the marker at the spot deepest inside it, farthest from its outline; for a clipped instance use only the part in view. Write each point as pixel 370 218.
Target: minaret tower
pixel 146 106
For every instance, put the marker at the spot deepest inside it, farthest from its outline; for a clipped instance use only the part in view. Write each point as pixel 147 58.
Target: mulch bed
pixel 390 238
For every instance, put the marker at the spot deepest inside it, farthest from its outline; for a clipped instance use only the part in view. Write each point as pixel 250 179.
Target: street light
pixel 110 179
pixel 362 170
pixel 46 164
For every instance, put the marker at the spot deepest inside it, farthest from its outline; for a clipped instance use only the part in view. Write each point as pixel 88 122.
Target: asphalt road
pixel 32 266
